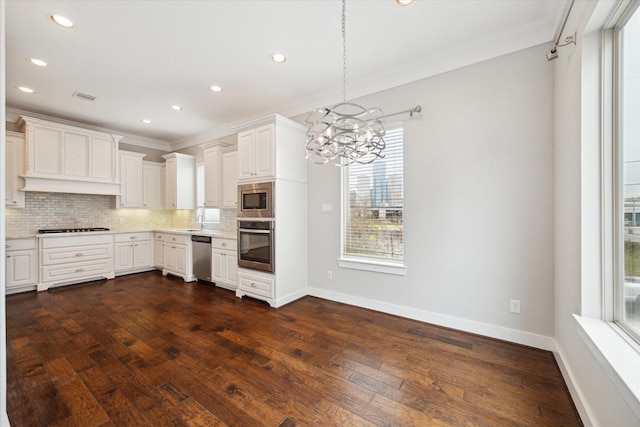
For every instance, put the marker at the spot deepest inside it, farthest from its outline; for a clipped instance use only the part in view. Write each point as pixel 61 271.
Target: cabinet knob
pixel 8 256
pixel 7 246
pixel 253 285
pixel 224 243
pixel 78 270
pixel 133 237
pixel 173 238
pixel 79 254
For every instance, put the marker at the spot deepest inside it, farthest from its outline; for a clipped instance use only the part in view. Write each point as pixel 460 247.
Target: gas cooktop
pixel 72 230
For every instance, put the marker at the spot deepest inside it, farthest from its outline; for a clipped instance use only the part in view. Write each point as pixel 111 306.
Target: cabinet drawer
pixel 20 244
pixel 224 244
pixel 131 237
pixel 172 238
pixel 76 271
pixel 77 254
pixel 256 285
pixel 76 241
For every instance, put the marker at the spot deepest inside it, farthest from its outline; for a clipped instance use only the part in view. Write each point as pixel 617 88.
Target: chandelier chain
pixel 344 50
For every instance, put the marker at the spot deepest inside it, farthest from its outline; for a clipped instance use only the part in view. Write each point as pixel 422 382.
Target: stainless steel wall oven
pixel 255 245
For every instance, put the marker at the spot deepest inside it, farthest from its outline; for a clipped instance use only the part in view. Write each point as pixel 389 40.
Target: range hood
pixel 52 185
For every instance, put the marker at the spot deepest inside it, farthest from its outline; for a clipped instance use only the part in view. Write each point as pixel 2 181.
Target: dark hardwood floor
pixel 148 350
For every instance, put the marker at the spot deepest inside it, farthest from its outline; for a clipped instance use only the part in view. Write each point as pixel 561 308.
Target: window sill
pixel 375 266
pixel 619 359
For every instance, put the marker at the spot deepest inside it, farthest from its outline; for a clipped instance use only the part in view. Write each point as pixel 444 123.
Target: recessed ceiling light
pixel 176 107
pixel 215 88
pixel 404 2
pixel 146 121
pixel 38 62
pixel 25 89
pixel 278 57
pixel 62 20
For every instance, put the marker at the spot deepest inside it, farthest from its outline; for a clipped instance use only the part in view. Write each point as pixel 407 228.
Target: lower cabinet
pixel 133 252
pixel 176 255
pixel 21 265
pixel 258 284
pixel 224 262
pixel 74 259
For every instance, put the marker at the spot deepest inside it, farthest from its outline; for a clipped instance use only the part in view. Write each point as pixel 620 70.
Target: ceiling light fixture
pixel 344 133
pixel 25 89
pixel 215 88
pixel 278 58
pixel 62 21
pixel 146 121
pixel 38 62
pixel 404 2
pixel 176 107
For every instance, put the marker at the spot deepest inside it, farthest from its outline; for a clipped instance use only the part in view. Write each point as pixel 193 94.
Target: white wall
pixel 478 204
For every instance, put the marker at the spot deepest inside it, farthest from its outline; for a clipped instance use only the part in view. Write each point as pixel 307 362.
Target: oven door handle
pixel 248 230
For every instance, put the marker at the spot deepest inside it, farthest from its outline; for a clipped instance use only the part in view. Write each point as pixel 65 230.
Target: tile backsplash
pixel 64 210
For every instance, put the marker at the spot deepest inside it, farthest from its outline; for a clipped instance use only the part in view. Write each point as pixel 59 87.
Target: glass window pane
pixel 373 205
pixel 629 295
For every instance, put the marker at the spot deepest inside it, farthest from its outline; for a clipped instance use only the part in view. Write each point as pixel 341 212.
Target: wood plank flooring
pixel 148 350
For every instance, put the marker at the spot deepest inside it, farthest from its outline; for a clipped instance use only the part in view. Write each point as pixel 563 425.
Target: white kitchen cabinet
pixel 158 253
pixel 130 180
pixel 62 158
pixel 230 178
pixel 21 265
pixel 180 181
pixel 14 165
pixel 270 148
pixel 153 181
pixel 254 283
pixel 177 258
pixel 72 259
pixel 224 263
pixel 256 153
pixel 133 252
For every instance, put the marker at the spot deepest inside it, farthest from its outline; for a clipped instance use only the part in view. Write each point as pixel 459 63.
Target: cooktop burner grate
pixel 72 230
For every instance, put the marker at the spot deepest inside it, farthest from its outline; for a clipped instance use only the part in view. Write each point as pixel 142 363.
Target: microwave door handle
pixel 248 230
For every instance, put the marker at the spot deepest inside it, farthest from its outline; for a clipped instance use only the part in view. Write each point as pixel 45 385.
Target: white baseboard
pixel 493 331
pixel 576 394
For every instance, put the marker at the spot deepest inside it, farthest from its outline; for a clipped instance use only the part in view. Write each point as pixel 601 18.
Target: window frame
pixel 363 262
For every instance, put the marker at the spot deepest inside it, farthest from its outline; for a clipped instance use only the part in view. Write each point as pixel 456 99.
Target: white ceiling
pixel 140 57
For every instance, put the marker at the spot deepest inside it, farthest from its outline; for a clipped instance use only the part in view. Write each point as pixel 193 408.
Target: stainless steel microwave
pixel 256 200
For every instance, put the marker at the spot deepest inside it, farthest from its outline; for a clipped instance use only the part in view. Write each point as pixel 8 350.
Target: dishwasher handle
pixel 201 239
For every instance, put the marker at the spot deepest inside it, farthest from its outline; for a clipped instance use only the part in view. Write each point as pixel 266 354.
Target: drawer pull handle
pixel 79 270
pixel 224 244
pixel 7 246
pixel 253 285
pixel 133 237
pixel 174 239
pixel 79 254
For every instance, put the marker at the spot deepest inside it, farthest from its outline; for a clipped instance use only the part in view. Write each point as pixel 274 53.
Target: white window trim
pixel 373 265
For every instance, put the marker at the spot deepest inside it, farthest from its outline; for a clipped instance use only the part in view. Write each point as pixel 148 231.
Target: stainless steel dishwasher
pixel 201 249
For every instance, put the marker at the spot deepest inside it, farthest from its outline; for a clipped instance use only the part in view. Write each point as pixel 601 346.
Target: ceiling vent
pixel 84 96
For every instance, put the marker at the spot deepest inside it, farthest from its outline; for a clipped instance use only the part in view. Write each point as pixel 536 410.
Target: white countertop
pixel 185 231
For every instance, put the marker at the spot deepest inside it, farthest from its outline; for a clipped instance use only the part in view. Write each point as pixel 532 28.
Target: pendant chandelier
pixel 344 133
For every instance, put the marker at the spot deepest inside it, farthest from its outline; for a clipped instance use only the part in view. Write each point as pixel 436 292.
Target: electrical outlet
pixel 514 306
pixel 329 275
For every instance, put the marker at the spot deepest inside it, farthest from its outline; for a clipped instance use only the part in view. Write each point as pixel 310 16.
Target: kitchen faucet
pixel 200 220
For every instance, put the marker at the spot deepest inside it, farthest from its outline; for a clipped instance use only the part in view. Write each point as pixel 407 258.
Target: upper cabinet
pixel 62 158
pixel 270 148
pixel 220 175
pixel 14 162
pixel 153 181
pixel 180 188
pixel 130 179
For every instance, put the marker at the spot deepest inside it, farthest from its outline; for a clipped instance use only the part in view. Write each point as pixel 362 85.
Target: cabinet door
pixel 158 250
pixel 264 152
pixel 170 257
pixel 14 164
pixel 218 266
pixel 171 183
pixel 231 264
pixel 152 185
pixel 76 155
pixel 123 256
pixel 230 179
pixel 20 268
pixel 142 254
pixel 130 181
pixel 181 259
pixel 245 154
pixel 45 156
pixel 212 177
pixel 103 160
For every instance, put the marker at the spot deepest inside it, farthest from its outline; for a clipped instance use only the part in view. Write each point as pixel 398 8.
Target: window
pixel 204 215
pixel 373 210
pixel 627 286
